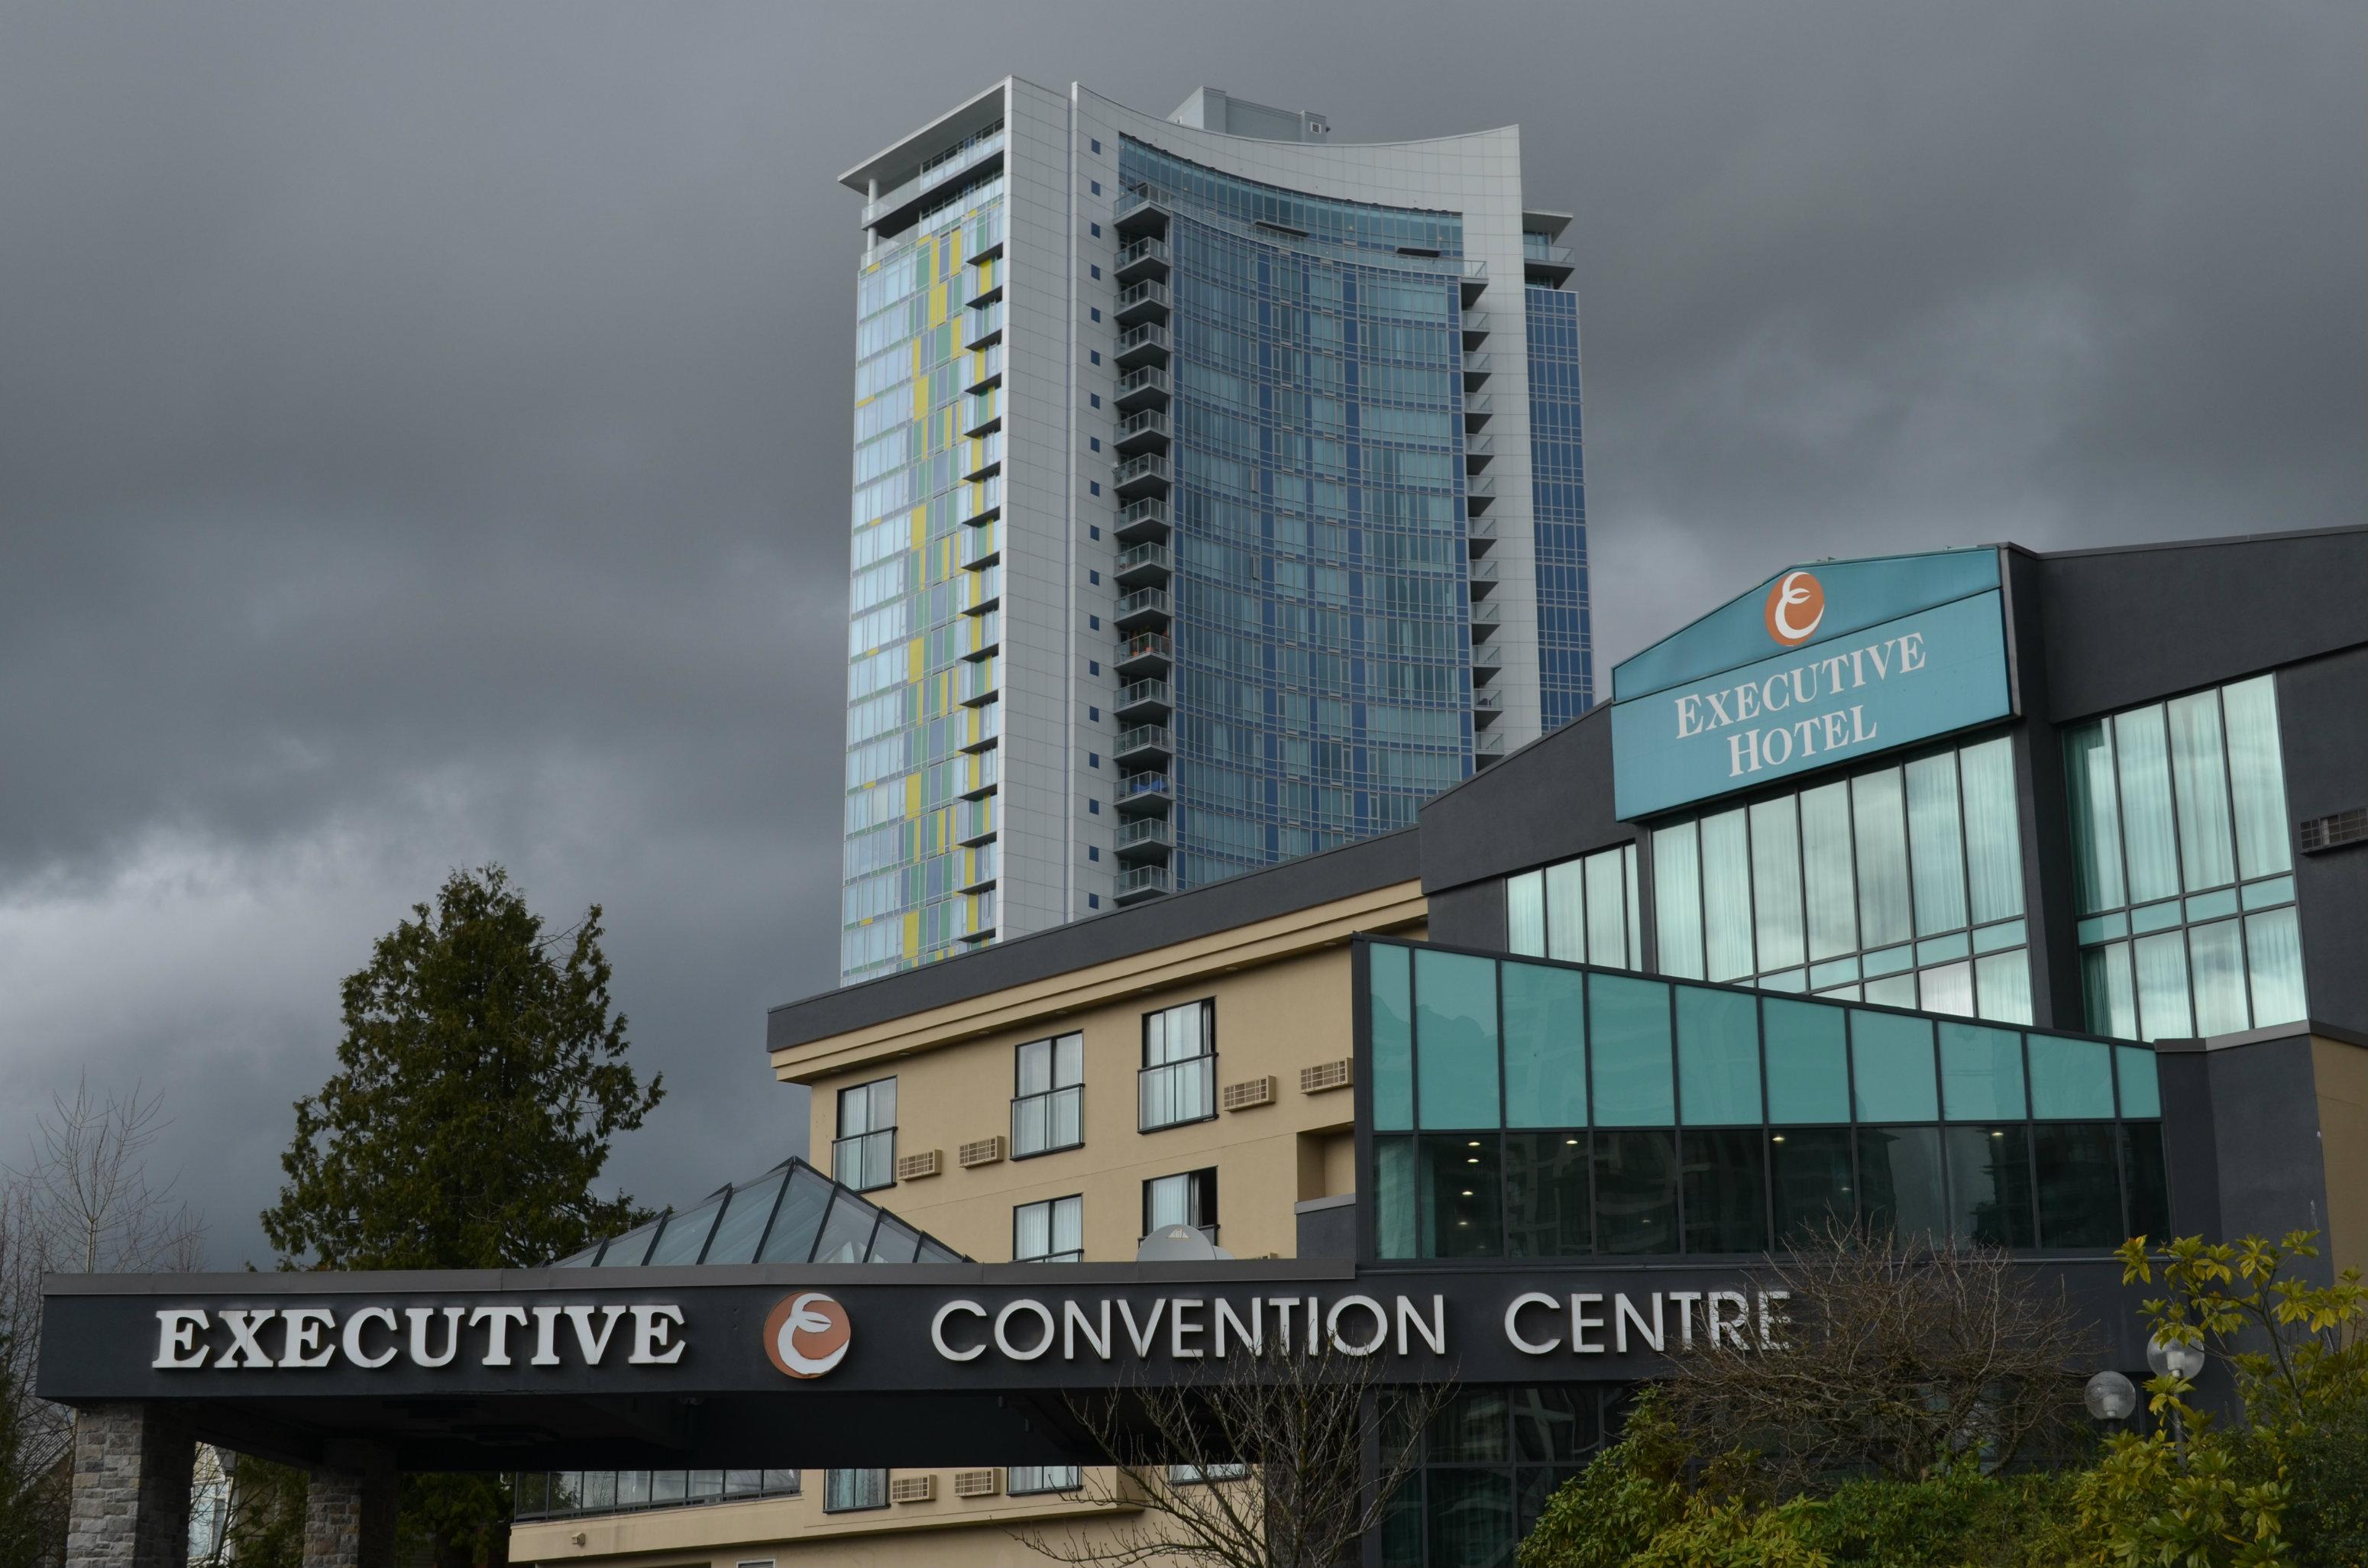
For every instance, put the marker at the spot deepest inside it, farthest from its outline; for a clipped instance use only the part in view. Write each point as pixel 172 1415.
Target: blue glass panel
pixel 1456 1040
pixel 1628 1039
pixel 1891 1068
pixel 1546 1046
pixel 2071 1079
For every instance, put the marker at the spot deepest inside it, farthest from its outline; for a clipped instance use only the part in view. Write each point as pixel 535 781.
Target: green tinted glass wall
pixel 1564 1111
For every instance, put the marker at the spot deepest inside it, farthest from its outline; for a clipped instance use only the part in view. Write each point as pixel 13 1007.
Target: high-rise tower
pixel 1217 499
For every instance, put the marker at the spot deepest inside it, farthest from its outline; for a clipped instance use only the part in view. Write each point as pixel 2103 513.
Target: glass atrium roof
pixel 792 1213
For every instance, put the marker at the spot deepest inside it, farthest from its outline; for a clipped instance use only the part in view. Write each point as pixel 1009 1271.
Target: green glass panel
pixel 1891 1068
pixel 1828 883
pixel 2262 895
pixel 2275 948
pixel 1993 831
pixel 2149 838
pixel 1635 906
pixel 1393 1206
pixel 1841 992
pixel 1948 989
pixel 2002 986
pixel 1841 971
pixel 1896 991
pixel 2212 905
pixel 2199 768
pixel 1628 1039
pixel 2258 770
pixel 1878 815
pixel 1525 914
pixel 1456 1040
pixel 1783 980
pixel 1936 843
pixel 2096 820
pixel 2163 1011
pixel 1607 911
pixel 2103 928
pixel 1677 901
pixel 1991 939
pixel 1392 1038
pixel 1890 960
pixel 1981 1073
pixel 2113 1006
pixel 1809 1062
pixel 2154 917
pixel 1546 1046
pixel 2134 1069
pixel 1718 1057
pixel 1941 949
pixel 2071 1079
pixel 1776 882
pixel 1566 912
pixel 2217 969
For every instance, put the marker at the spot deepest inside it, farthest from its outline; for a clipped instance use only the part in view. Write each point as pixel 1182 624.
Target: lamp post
pixel 2178 1359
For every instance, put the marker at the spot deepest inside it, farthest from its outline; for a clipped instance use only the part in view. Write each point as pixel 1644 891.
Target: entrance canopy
pixel 844 1364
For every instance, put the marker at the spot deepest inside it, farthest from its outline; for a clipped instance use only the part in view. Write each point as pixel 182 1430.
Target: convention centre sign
pixel 1819 664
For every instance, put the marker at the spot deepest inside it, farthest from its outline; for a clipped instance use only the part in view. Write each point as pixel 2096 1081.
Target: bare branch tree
pixel 1889 1358
pixel 1258 1460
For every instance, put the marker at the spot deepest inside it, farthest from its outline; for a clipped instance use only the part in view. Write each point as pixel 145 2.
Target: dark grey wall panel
pixel 1547 801
pixel 1470 917
pixel 2323 730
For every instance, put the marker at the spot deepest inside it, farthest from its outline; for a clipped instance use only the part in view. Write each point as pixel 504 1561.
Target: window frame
pixel 1208 1054
pixel 844 1137
pixel 1053 1046
pixel 1051 1205
pixel 1200 1200
pixel 828 1506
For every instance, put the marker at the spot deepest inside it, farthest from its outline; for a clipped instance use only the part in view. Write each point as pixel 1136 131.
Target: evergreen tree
pixel 480 1078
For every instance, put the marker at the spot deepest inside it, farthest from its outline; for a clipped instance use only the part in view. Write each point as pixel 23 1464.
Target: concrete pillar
pixel 349 1508
pixel 130 1498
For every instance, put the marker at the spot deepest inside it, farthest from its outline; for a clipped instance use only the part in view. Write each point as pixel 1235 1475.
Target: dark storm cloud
pixel 423 432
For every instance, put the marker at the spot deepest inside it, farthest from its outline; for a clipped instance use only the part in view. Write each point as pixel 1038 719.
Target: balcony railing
pixel 953 166
pixel 1145 387
pixel 985 590
pixel 986 326
pixel 1145 301
pixel 984 501
pixel 1141 793
pixel 1144 431
pixel 1144 609
pixel 982 411
pixel 1053 1119
pixel 1145 345
pixel 866 1161
pixel 1145 520
pixel 987 367
pixel 1477 409
pixel 980 680
pixel 1142 742
pixel 983 545
pixel 988 457
pixel 1477 452
pixel 1144 837
pixel 1141 699
pixel 1146 653
pixel 1146 257
pixel 1142 565
pixel 1476 370
pixel 1177 1092
pixel 1140 475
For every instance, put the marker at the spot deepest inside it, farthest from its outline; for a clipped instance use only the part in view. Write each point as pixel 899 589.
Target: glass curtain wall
pixel 2184 860
pixel 1487 1463
pixel 905 863
pixel 1558 495
pixel 563 1494
pixel 1901 885
pixel 1583 910
pixel 1323 675
pixel 1528 1110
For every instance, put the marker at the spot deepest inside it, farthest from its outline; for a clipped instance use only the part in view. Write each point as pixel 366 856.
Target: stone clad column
pixel 349 1508
pixel 130 1505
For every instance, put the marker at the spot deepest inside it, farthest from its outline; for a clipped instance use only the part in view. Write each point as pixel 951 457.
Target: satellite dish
pixel 1178 1243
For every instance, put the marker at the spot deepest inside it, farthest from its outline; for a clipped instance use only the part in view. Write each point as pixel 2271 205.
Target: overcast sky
pixel 424 432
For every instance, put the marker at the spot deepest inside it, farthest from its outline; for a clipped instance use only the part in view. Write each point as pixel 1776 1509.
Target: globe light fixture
pixel 2111 1397
pixel 2168 1356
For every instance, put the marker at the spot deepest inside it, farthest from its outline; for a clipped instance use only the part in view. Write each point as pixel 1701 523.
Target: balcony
pixel 1487 707
pixel 981 777
pixel 1142 566
pixel 1475 370
pixel 1479 537
pixel 982 411
pixel 984 326
pixel 982 920
pixel 1144 258
pixel 979 681
pixel 1144 432
pixel 987 456
pixel 1478 452
pixel 985 240
pixel 982 546
pixel 1475 330
pixel 984 500
pixel 1544 262
pixel 1136 884
pixel 1481 579
pixel 986 368
pixel 1145 388
pixel 1134 215
pixel 1476 409
pixel 1146 609
pixel 986 634
pixel 1144 746
pixel 1489 748
pixel 988 286
pixel 891 204
pixel 1145 345
pixel 1479 494
pixel 981 875
pixel 1486 662
pixel 988 731
pixel 1138 476
pixel 1475 281
pixel 1145 301
pixel 1485 618
pixel 1141 701
pixel 1143 520
pixel 1145 653
pixel 1146 839
pixel 973 822
pixel 1142 794
pixel 985 591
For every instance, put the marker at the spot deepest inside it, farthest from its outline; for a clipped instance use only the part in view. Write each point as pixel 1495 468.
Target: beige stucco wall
pixel 2341 1073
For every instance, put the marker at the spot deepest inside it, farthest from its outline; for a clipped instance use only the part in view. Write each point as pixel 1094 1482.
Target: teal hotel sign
pixel 1818 662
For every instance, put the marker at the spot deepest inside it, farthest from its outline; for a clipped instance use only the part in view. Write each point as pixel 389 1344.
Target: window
pixel 1048 1095
pixel 1093 623
pixel 1095 270
pixel 1178 1083
pixel 1096 313
pixel 1093 532
pixel 1097 229
pixel 1901 886
pixel 1584 911
pixel 1097 185
pixel 1093 808
pixel 1093 400
pixel 1645 1118
pixel 1093 667
pixel 864 1156
pixel 1093 901
pixel 845 1491
pixel 2183 867
pixel 1489 1461
pixel 1093 715
pixel 1205 1474
pixel 1094 357
pixel 1093 852
pixel 1187 1197
pixel 1094 488
pixel 1096 144
pixel 1093 759
pixel 1094 443
pixel 1050 1231
pixel 1022 1480
pixel 561 1493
